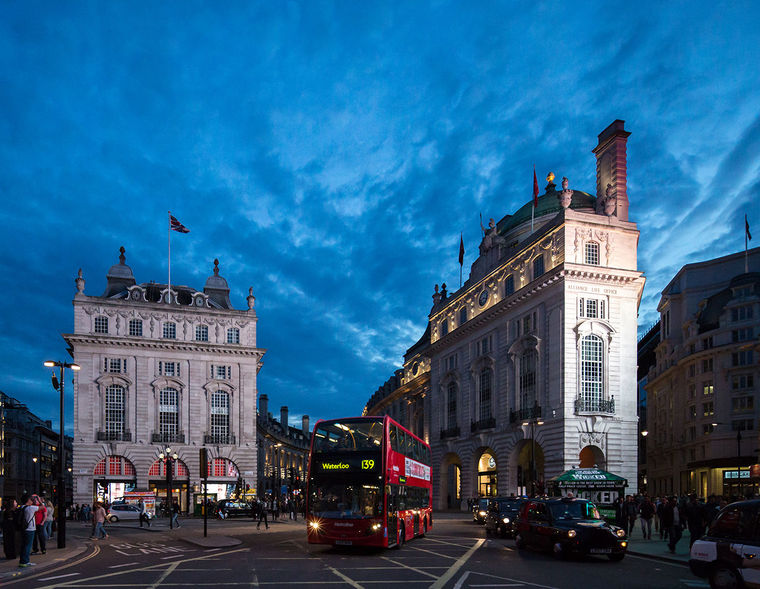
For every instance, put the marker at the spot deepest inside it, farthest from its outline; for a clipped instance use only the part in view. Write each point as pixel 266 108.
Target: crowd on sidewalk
pixel 27 526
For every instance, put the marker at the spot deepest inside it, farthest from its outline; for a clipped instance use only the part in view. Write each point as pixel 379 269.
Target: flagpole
pixel 746 259
pixel 532 213
pixel 169 242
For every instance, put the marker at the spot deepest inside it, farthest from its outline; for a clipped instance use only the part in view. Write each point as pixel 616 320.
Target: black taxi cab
pixel 502 515
pixel 729 554
pixel 480 510
pixel 567 526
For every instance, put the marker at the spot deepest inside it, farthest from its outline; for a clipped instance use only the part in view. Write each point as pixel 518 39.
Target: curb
pixel 661 557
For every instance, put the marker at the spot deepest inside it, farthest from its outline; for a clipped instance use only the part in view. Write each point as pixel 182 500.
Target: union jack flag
pixel 176 225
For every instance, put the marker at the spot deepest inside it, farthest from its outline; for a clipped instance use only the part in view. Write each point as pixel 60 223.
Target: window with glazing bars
pixel 592 253
pixel 452 405
pixel 509 285
pixel 486 376
pixel 538 266
pixel 135 327
pixel 101 324
pixel 233 335
pixel 201 333
pixel 170 330
pixel 168 412
pixel 114 409
pixel 592 365
pixel 220 413
pixel 528 379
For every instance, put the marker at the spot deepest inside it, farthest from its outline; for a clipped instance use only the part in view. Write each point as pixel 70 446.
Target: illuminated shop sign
pixel 736 474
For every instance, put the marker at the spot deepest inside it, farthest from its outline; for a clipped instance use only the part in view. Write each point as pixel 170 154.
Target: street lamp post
pixel 58 386
pixel 37 482
pixel 169 459
pixel 533 422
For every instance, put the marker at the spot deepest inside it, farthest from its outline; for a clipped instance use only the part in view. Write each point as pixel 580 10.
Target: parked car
pixel 231 508
pixel 502 515
pixel 480 510
pixel 568 525
pixel 124 511
pixel 729 554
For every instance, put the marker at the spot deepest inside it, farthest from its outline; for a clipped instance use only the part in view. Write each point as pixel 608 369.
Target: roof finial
pixel 216 266
pixel 80 282
pixel 122 257
pixel 251 298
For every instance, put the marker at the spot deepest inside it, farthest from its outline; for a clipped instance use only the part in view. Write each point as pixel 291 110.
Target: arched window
pixel 592 253
pixel 114 411
pixel 168 414
pixel 222 467
pixel 486 383
pixel 451 405
pixel 220 417
pixel 114 466
pixel 528 362
pixel 592 373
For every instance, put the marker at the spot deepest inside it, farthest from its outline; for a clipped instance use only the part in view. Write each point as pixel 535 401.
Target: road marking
pixel 519 583
pixel 447 576
pixel 435 553
pixel 667 562
pixel 447 543
pixel 95 551
pixel 172 556
pixel 348 580
pixel 59 577
pixel 406 566
pixel 169 570
pixel 118 566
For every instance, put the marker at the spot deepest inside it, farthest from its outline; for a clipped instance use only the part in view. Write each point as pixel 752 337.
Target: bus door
pixel 391 515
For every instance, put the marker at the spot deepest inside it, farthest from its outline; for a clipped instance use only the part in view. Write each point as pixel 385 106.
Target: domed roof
pixel 217 289
pixel 548 204
pixel 119 276
pixel 708 317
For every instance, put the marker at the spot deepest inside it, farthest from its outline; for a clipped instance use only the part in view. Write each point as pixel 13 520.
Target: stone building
pixel 701 390
pixel 162 371
pixel 283 452
pixel 529 368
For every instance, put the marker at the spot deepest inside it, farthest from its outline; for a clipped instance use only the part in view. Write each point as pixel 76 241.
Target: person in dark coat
pixel 695 519
pixel 9 528
pixel 672 520
pixel 646 511
pixel 664 530
pixel 631 512
pixel 619 517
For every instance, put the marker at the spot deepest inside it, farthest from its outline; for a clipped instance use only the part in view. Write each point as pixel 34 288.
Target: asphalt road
pixel 455 555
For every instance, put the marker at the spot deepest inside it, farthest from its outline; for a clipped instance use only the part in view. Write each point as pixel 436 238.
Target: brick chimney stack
pixel 284 417
pixel 611 166
pixel 264 406
pixel 305 425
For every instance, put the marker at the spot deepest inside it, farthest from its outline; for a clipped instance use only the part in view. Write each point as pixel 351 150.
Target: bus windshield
pixel 348 436
pixel 343 499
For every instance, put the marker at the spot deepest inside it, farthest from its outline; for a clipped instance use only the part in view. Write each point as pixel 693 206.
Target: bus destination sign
pixel 333 463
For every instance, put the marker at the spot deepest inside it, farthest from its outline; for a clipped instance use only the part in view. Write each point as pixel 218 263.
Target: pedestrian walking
pixel 262 514
pixel 8 515
pixel 671 518
pixel 28 528
pixel 275 509
pixel 175 514
pixel 144 518
pixel 647 512
pixel 695 518
pixel 630 513
pixel 99 519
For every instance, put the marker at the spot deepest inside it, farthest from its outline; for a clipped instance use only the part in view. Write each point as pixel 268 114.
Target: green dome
pixel 548 203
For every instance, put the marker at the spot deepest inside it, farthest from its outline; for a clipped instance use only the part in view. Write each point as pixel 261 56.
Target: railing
pixel 595 406
pixel 178 438
pixel 483 424
pixel 452 432
pixel 219 439
pixel 114 436
pixel 533 412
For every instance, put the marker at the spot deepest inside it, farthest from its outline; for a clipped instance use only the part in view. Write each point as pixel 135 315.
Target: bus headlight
pixel 482 513
pixel 376 527
pixel 314 525
pixel 505 520
pixel 571 533
pixel 620 533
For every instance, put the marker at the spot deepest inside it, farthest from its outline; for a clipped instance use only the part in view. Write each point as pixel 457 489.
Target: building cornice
pixel 145 306
pixel 418 386
pixel 162 344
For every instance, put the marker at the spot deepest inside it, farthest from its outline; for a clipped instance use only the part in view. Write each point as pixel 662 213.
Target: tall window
pixel 101 324
pixel 486 377
pixel 168 412
pixel 509 285
pixel 170 330
pixel 220 414
pixel 444 327
pixel 462 315
pixel 592 253
pixel 233 335
pixel 114 409
pixel 135 327
pixel 592 365
pixel 451 405
pixel 201 333
pixel 528 363
pixel 538 266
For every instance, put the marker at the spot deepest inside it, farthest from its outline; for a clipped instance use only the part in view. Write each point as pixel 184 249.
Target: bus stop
pixel 594 484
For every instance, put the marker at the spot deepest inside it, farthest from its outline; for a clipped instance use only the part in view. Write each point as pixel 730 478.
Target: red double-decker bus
pixel 369 483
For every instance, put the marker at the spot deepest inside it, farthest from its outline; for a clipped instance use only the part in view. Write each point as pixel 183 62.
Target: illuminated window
pixel 220 414
pixel 168 412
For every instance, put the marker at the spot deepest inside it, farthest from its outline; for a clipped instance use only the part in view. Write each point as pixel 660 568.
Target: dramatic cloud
pixel 330 155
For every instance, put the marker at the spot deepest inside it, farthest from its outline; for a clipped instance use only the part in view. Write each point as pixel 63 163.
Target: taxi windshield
pixel 574 510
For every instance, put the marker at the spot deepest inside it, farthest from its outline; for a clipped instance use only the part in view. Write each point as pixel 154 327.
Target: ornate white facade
pixel 532 363
pixel 157 374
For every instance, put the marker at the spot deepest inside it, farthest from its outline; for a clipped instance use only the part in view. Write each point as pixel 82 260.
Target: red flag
pixel 535 188
pixel 175 225
pixel 461 250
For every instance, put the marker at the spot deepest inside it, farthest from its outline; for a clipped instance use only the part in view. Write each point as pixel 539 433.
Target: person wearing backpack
pixel 9 528
pixel 25 522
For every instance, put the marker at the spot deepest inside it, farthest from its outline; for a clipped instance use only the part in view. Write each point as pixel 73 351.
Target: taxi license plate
pixel 600 550
pixel 343 542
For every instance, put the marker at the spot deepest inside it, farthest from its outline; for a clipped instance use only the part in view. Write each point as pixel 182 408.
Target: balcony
pixel 223 439
pixel 525 413
pixel 594 406
pixel 178 438
pixel 452 432
pixel 114 437
pixel 489 423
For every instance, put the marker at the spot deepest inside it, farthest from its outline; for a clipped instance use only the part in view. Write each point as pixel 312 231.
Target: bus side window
pixel 401 441
pixel 394 439
pixel 402 502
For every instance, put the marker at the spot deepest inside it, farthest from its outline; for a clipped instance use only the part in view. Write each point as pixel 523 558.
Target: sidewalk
pixel 9 569
pixel 656 548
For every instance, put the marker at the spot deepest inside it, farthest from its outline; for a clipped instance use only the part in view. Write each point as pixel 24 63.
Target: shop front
pixel 113 477
pixel 180 485
pixel 487 475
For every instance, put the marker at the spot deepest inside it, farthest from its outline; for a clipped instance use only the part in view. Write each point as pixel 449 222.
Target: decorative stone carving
pixel 79 282
pixel 566 196
pixel 598 439
pixel 491 237
pixel 251 299
pixel 607 205
pixel 436 296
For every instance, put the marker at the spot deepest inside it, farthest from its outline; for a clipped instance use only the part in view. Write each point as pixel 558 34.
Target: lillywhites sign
pixel 415 469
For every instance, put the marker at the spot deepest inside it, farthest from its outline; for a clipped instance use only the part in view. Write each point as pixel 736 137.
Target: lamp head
pixel 644 433
pixel 75 367
pixel 48 363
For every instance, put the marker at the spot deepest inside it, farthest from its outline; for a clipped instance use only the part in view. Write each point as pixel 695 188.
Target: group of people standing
pixel 670 515
pixel 27 525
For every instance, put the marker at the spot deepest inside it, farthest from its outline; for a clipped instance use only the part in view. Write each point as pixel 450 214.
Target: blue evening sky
pixel 330 153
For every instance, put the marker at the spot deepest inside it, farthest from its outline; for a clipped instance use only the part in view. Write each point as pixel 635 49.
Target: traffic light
pixel 204 463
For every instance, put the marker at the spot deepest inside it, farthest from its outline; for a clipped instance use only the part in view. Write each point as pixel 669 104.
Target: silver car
pixel 124 511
